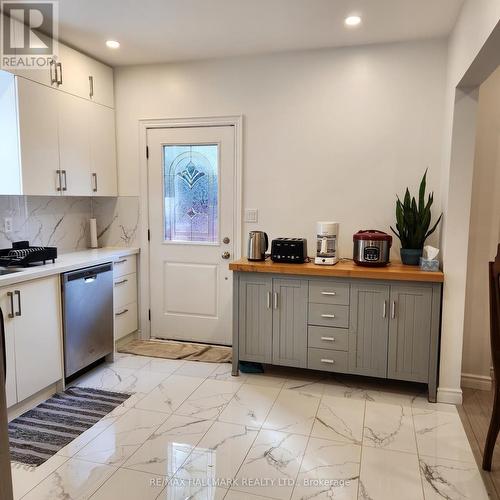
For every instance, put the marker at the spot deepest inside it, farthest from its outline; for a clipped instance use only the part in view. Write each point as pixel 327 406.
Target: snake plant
pixel 413 220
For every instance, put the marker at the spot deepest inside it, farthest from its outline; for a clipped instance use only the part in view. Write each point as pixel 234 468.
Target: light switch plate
pixel 251 215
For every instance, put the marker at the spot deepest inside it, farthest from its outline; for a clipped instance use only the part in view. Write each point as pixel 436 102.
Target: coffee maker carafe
pixel 326 243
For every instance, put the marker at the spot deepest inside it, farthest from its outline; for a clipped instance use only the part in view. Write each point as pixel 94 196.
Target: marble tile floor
pixel 192 431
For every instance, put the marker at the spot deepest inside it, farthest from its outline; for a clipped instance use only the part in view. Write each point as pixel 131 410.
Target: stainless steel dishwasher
pixel 87 316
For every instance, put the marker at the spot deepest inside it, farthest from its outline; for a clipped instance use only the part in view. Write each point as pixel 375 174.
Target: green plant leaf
pixel 421 193
pixel 434 227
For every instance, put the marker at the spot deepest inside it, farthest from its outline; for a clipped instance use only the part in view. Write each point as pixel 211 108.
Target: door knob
pixel 226 255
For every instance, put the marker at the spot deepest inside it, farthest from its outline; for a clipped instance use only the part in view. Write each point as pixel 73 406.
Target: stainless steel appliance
pixel 87 316
pixel 371 247
pixel 258 243
pixel 326 243
pixel 290 250
pixel 5 474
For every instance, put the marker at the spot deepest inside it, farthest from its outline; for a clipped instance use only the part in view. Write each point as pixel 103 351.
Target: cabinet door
pixel 103 150
pixel 290 322
pixel 73 72
pixel 38 134
pixel 38 336
pixel 255 319
pixel 369 329
pixel 102 84
pixel 9 138
pixel 74 145
pixel 10 362
pixel 409 333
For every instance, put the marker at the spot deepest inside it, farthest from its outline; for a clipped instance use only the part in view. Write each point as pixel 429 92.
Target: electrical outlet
pixel 7 224
pixel 251 215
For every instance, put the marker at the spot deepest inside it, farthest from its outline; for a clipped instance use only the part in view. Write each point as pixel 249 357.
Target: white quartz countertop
pixel 68 262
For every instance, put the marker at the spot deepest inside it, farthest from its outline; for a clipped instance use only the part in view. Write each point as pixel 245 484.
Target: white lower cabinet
pixel 125 295
pixel 32 316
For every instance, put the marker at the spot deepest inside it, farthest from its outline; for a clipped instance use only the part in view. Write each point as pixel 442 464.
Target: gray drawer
pixel 329 315
pixel 330 361
pixel 323 337
pixel 329 292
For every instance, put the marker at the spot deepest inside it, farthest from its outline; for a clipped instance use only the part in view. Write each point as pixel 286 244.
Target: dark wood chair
pixel 495 355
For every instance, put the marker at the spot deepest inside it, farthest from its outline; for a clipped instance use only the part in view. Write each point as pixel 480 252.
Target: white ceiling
pixel 152 31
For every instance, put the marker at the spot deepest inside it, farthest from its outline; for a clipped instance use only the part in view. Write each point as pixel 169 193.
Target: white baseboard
pixel 472 381
pixel 450 396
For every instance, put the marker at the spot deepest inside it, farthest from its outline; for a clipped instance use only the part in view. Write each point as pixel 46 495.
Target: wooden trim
pixel 394 272
pixel 472 381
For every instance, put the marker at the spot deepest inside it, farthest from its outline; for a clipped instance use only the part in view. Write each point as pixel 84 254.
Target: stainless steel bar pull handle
pixel 275 300
pixel 91 86
pixel 11 298
pixel 269 300
pixel 18 293
pixel 329 361
pixel 384 309
pixel 60 76
pixel 121 282
pixel 393 309
pixel 331 316
pixel 94 178
pixel 121 312
pixel 59 181
pixel 65 185
pixel 53 71
pixel 328 339
pixel 121 261
pixel 329 293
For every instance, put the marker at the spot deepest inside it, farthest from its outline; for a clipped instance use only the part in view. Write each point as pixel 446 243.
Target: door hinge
pixel 147 152
pixel 149 314
pixel 149 235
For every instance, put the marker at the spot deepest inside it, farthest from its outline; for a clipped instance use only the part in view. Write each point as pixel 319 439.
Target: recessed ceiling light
pixel 352 21
pixel 113 44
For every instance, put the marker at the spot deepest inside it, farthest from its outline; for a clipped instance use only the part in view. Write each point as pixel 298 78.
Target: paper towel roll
pixel 93 233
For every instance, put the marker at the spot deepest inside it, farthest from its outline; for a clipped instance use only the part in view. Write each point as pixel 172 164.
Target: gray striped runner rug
pixel 40 433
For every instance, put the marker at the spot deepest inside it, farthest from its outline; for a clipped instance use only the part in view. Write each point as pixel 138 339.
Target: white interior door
pixel 191 174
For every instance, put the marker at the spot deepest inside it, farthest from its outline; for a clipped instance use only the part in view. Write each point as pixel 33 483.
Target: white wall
pixel 483 235
pixel 477 20
pixel 328 134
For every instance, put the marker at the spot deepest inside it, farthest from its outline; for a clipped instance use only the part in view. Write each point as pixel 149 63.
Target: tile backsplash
pixel 63 221
pixel 117 221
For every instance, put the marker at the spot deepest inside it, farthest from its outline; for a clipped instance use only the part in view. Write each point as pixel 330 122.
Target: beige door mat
pixel 170 349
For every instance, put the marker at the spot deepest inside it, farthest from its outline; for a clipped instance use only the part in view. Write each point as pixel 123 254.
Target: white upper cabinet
pixel 102 150
pixel 74 145
pixel 101 83
pixel 9 152
pixel 38 139
pixel 54 143
pixel 76 74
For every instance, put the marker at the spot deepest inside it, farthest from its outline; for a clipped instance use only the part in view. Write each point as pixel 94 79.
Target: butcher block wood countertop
pixel 343 269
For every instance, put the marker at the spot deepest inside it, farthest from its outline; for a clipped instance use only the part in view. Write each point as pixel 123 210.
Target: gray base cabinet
pixel 255 318
pixel 369 329
pixel 409 333
pixel 365 327
pixel 290 322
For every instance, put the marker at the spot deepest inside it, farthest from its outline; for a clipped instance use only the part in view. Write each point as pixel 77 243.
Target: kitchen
pixel 147 162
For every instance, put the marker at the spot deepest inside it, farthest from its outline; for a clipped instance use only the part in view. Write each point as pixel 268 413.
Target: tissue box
pixel 429 264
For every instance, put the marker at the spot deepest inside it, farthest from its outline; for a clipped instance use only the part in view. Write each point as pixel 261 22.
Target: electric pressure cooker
pixel 371 248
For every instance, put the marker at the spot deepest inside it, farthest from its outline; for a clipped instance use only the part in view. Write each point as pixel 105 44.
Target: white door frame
pixel 237 122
